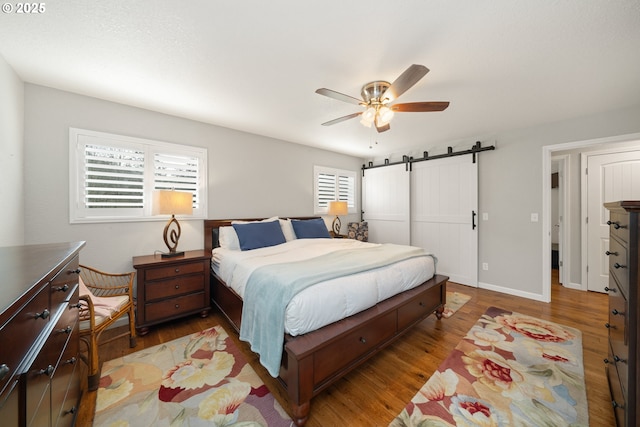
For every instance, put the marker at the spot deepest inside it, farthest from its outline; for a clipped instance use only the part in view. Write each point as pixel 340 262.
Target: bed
pixel 310 361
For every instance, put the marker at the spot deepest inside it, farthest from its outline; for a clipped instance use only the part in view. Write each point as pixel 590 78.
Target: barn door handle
pixel 473 220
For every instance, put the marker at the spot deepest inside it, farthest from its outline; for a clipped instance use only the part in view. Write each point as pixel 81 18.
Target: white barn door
pixel 385 203
pixel 611 177
pixel 444 203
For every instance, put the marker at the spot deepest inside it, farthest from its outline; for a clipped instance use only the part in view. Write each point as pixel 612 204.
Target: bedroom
pixel 36 117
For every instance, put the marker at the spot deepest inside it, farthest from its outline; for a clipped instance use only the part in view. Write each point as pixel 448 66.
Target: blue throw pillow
pixel 310 229
pixel 256 235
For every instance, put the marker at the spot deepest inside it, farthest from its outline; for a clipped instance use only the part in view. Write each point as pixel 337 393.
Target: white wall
pixel 510 190
pixel 11 156
pixel 249 175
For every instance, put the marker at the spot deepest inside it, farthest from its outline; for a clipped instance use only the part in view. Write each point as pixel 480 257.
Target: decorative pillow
pixel 358 231
pixel 310 229
pixel 256 235
pixel 287 230
pixel 228 239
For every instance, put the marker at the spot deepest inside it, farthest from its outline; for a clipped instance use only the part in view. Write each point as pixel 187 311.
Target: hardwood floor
pixel 379 389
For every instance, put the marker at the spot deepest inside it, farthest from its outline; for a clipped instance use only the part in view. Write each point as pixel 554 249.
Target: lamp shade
pixel 338 208
pixel 171 202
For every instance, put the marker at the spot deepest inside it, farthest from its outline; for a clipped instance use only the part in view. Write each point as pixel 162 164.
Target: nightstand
pixel 170 288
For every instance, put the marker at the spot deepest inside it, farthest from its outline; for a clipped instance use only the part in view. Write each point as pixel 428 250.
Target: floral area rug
pixel 509 370
pixel 455 300
pixel 198 380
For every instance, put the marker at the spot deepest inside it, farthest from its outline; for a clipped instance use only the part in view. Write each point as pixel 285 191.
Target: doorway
pixel 574 265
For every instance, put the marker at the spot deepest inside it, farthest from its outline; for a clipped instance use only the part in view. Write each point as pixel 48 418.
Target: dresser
pixel 170 288
pixel 624 332
pixel 39 356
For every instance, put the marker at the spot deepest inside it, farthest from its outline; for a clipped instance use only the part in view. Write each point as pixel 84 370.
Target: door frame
pixel 547 152
pixel 564 250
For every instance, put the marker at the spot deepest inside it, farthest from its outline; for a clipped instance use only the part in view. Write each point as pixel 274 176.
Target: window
pixel 333 184
pixel 112 177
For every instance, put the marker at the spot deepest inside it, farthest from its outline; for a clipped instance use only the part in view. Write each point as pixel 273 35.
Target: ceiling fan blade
pixel 341 119
pixel 419 107
pixel 339 96
pixel 384 128
pixel 404 82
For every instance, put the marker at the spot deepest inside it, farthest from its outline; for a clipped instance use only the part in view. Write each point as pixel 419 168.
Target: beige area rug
pixel 455 300
pixel 509 370
pixel 198 380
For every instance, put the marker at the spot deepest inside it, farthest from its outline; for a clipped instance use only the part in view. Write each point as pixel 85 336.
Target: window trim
pixel 78 214
pixel 317 170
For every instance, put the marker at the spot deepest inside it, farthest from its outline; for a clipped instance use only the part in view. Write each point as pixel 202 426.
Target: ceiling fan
pixel 378 97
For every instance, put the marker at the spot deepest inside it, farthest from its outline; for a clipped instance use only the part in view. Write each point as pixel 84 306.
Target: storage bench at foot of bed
pixel 314 361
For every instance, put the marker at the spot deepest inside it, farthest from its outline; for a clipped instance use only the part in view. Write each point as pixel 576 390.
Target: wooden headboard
pixel 212 226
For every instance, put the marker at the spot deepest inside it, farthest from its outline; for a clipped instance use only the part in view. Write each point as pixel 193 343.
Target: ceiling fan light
pixel 385 114
pixel 369 114
pixel 366 123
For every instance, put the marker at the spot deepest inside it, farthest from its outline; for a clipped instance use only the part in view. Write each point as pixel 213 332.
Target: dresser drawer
pixel 63 382
pixel 419 306
pixel 173 287
pixel 21 331
pixel 175 307
pixel 619 226
pixel 616 394
pixel 175 270
pixel 10 403
pixel 353 345
pixel 619 264
pixel 618 333
pixel 64 283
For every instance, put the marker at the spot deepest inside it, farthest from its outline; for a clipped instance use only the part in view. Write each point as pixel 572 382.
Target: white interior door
pixel 610 177
pixel 385 201
pixel 444 203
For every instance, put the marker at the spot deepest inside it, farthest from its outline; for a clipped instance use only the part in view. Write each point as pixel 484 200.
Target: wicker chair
pixel 117 289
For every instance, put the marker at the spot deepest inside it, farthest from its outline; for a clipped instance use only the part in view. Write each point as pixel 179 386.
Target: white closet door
pixel 385 201
pixel 610 177
pixel 444 201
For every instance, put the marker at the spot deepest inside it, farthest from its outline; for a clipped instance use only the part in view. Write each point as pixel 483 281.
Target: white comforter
pixel 328 301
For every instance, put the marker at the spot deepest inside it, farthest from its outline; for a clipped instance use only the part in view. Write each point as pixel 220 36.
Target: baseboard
pixel 510 291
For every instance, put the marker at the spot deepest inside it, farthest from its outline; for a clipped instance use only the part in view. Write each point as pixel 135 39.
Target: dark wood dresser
pixel 169 288
pixel 624 332
pixel 39 355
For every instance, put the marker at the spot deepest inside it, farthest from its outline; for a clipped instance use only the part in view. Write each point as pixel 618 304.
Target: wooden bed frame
pixel 313 361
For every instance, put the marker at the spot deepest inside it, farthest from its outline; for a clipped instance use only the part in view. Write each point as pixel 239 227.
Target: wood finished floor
pixel 379 389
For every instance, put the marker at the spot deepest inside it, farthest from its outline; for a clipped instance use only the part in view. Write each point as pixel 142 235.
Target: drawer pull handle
pixel 611 253
pixel 77 305
pixel 617 359
pixel 76 271
pixel 616 265
pixel 44 315
pixel 421 304
pixel 177 286
pixel 606 288
pixel 616 405
pixel 617 313
pixel 66 330
pixel 616 224
pixel 64 288
pixel 363 340
pixel 47 371
pixel 4 370
pixel 606 361
pixel 177 270
pixel 177 305
pixel 72 410
pixel 71 361
pixel 609 326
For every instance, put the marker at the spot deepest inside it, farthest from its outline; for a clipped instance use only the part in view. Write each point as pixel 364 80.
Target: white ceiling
pixel 254 65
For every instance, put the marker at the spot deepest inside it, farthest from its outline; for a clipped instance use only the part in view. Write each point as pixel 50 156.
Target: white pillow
pixel 228 239
pixel 287 229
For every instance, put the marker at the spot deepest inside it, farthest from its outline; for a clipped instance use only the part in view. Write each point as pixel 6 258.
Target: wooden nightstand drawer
pixel 174 307
pixel 174 287
pixel 168 288
pixel 174 270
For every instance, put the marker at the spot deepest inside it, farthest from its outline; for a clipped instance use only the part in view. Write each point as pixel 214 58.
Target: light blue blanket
pixel 270 288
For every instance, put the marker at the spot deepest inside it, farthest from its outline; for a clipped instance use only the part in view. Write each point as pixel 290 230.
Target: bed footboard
pixel 314 361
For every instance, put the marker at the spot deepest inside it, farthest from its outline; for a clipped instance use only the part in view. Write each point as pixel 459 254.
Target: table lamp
pixel 171 202
pixel 337 208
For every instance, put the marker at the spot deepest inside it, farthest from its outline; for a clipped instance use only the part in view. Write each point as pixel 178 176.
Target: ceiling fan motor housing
pixel 372 91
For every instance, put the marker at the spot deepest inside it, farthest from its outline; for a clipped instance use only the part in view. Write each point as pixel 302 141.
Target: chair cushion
pixel 115 305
